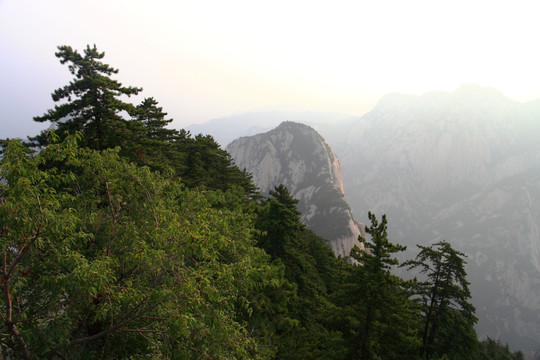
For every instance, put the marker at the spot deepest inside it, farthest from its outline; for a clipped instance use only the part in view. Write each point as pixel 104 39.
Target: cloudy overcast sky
pixel 205 59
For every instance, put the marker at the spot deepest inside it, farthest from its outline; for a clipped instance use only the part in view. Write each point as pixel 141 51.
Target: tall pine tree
pixel 378 300
pixel 280 222
pixel 152 117
pixel 91 103
pixel 448 316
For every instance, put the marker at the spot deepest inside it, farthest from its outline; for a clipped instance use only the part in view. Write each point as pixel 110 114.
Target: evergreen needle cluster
pixel 124 239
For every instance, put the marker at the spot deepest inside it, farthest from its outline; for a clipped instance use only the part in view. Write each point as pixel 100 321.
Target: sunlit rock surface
pixel 296 156
pixel 461 166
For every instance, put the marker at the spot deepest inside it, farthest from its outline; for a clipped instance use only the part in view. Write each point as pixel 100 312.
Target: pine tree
pixel 448 316
pixel 303 331
pixel 280 222
pixel 91 103
pixel 379 299
pixel 153 119
pixel 149 142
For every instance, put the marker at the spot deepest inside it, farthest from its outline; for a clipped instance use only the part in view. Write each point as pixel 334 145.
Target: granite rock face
pixel 463 167
pixel 296 156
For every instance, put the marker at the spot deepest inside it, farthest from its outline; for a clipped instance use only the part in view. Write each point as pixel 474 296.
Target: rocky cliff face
pixel 463 167
pixel 296 156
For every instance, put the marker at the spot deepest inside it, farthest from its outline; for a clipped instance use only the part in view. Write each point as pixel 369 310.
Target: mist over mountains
pixel 226 129
pixel 463 167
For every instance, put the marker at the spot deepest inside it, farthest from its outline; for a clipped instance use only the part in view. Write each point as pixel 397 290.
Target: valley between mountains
pixel 462 167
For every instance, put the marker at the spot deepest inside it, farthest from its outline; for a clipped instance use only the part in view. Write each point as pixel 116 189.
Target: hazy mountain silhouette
pixel 461 166
pixel 464 167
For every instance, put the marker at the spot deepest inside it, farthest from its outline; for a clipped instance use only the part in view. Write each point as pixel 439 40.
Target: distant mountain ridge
pixel 464 167
pixel 296 156
pixel 228 128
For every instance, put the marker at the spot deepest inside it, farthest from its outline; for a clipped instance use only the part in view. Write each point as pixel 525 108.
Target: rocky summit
pixel 296 156
pixel 462 167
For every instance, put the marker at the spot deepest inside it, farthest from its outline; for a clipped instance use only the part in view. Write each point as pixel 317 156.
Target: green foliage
pixel 302 332
pixel 122 238
pixel 153 120
pixel 109 260
pixel 93 104
pixel 280 222
pixel 147 142
pixel 205 164
pixel 376 302
pixel 104 259
pixel 448 316
pixel 490 349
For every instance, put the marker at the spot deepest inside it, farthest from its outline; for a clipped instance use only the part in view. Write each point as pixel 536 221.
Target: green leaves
pixel 296 309
pixel 111 260
pixel 121 238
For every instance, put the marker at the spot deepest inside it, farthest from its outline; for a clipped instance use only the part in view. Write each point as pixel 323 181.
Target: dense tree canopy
pixel 121 238
pixel 304 333
pixel 279 223
pixel 494 350
pixel 94 104
pixel 103 259
pixel 153 120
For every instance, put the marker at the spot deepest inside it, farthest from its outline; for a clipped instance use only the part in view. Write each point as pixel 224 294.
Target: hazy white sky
pixel 204 59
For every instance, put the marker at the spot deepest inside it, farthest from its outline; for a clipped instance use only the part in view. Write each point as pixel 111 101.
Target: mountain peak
pixel 464 167
pixel 477 92
pixel 291 125
pixel 466 93
pixel 295 126
pixel 393 100
pixel 296 156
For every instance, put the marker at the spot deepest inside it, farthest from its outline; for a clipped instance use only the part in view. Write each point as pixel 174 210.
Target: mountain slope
pixel 296 156
pixel 464 167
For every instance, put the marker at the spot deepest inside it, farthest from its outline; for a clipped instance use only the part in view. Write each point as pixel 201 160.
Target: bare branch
pixel 137 310
pixel 8 319
pixel 153 318
pixel 20 255
pixel 141 330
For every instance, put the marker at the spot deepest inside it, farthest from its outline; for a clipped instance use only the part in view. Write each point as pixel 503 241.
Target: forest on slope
pixel 122 238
